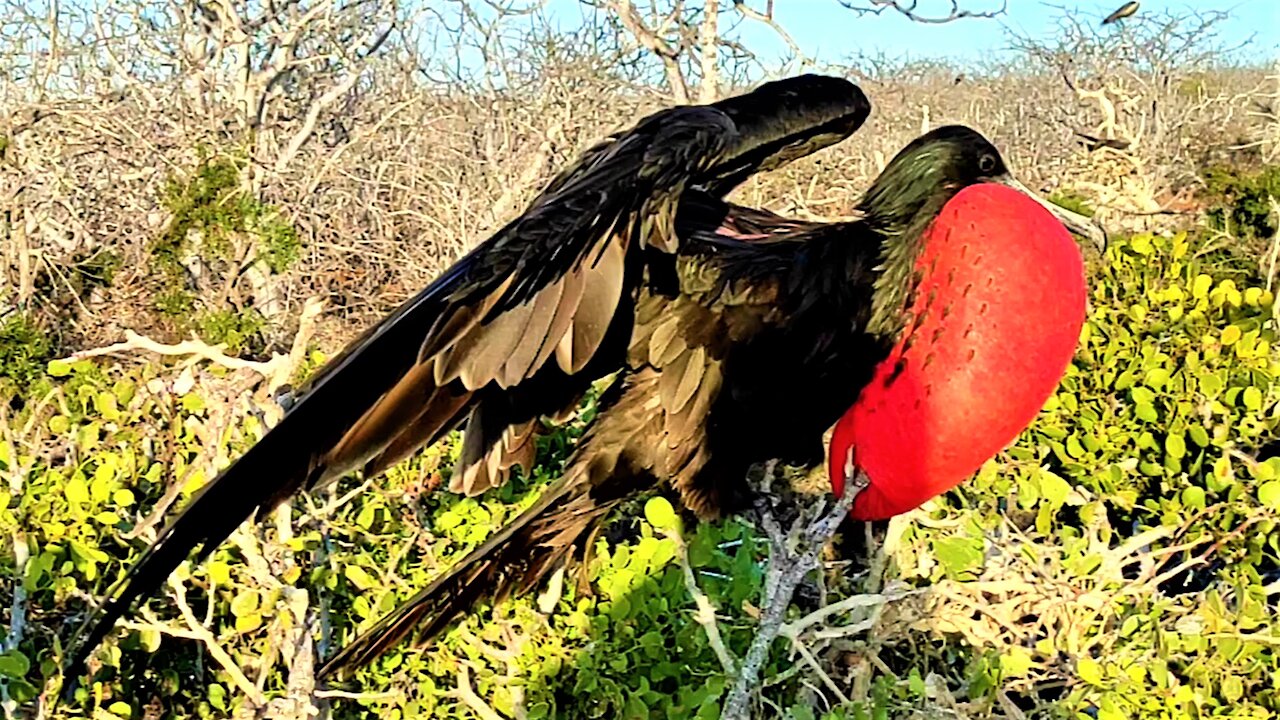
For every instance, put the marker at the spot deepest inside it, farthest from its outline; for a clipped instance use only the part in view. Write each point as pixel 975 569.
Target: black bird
pixel 1092 142
pixel 1122 12
pixel 739 336
pixel 520 327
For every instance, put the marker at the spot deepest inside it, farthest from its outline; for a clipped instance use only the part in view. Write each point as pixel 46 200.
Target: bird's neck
pixel 898 226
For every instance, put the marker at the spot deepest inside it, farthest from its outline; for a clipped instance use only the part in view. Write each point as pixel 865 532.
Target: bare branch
pixel 790 559
pixel 909 9
pixel 630 18
pixel 705 615
pixel 709 53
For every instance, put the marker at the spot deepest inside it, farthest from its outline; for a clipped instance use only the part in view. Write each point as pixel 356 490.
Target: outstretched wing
pixel 514 330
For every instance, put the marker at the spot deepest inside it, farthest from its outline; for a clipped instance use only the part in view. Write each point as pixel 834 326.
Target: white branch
pixel 705 615
pixel 787 567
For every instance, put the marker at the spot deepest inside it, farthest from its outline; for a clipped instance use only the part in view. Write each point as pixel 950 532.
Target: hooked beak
pixel 1075 222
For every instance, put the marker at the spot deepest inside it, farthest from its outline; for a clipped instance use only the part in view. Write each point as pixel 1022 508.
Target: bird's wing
pixel 513 323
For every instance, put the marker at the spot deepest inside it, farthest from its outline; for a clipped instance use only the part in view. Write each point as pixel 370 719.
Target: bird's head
pixel 927 173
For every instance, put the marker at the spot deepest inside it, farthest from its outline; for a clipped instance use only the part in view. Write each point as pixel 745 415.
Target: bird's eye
pixel 987 163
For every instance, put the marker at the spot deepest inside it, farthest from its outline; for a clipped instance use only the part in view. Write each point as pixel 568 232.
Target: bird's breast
pixel 992 324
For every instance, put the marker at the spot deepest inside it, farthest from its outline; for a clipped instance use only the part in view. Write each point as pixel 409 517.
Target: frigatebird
pixel 1126 10
pixel 1093 143
pixel 517 329
pixel 737 336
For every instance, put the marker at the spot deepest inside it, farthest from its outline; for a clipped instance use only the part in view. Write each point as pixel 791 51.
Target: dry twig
pixel 705 615
pixel 791 557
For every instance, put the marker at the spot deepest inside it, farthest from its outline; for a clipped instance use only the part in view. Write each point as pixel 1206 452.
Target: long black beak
pixel 1075 222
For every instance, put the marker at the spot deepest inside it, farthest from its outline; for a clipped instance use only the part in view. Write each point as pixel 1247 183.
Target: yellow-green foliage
pixel 237 329
pixel 1047 582
pixel 1153 435
pixel 1072 202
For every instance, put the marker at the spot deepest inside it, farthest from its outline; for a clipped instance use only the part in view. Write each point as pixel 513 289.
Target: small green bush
pixel 1072 202
pixel 1242 200
pixel 213 205
pixel 239 330
pixel 24 348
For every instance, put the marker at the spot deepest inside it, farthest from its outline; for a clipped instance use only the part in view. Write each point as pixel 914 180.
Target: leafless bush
pixel 368 131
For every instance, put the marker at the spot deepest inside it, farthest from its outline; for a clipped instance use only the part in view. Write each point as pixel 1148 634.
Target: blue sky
pixel 829 33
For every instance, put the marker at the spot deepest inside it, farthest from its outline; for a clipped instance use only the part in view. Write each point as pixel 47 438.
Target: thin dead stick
pixel 469 697
pixel 787 567
pixel 870 600
pixel 705 615
pixel 816 666
pixel 359 696
pixel 1275 244
pixel 276 370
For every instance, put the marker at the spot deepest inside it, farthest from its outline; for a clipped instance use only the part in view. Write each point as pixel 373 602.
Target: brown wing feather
pixel 573 285
pixel 436 418
pixel 537 334
pixel 386 419
pixel 602 289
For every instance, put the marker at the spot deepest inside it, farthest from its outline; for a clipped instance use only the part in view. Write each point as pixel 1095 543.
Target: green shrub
pixel 1072 202
pixel 1242 200
pixel 1040 579
pixel 24 348
pixel 239 330
pixel 213 205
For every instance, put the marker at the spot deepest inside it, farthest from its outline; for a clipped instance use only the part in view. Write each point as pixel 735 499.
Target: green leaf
pixel 660 514
pixel 245 623
pixel 916 683
pixel 358 577
pixel 22 691
pixel 1269 494
pixel 149 640
pixel 246 602
pixel 105 402
pixel 1232 688
pixel 59 424
pixel 219 573
pixel 1252 398
pixel 1200 286
pixel 58 368
pixel 1016 662
pixel 120 709
pixel 1054 488
pixel 14 664
pixel 192 403
pixel 1175 445
pixel 77 489
pixel 1089 670
pixel 958 555
pixel 1194 497
pixel 1142 395
pixel 1198 435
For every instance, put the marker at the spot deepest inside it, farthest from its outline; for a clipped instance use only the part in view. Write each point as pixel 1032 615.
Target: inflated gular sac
pixel 990 330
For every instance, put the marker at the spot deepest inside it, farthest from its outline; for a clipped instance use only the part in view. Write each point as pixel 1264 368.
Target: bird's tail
pixel 515 559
